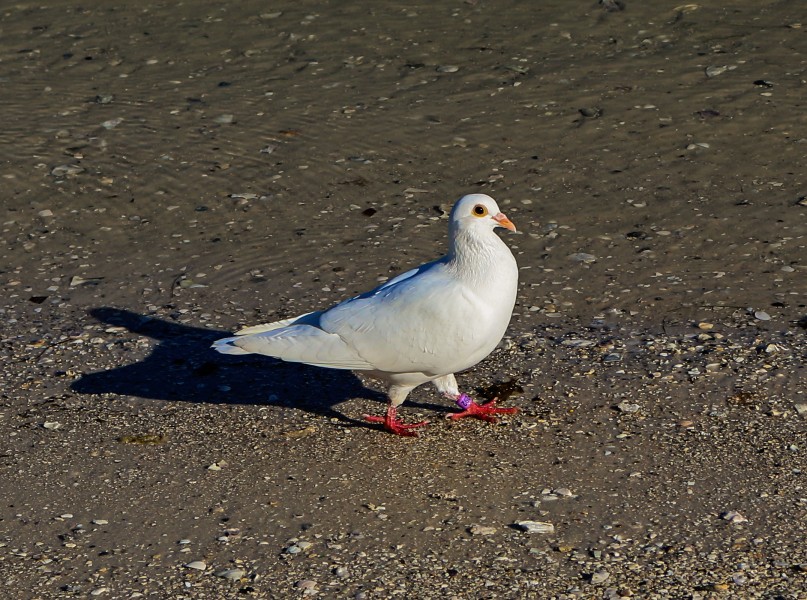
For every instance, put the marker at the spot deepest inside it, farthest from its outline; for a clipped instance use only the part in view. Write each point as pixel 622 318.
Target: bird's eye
pixel 479 210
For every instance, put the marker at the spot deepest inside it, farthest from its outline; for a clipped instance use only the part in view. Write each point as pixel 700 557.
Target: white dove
pixel 424 325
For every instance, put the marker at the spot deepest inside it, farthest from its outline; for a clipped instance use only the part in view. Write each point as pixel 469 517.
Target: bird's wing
pixel 413 323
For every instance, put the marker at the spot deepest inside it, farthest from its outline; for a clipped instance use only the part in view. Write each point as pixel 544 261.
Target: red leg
pixel 480 411
pixel 393 425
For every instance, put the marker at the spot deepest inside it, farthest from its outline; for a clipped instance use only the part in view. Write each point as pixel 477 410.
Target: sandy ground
pixel 172 171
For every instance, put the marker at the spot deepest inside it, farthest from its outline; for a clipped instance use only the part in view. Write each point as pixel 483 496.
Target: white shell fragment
pixel 733 516
pixel 535 526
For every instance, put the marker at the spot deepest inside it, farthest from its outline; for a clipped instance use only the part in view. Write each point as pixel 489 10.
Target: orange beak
pixel 503 221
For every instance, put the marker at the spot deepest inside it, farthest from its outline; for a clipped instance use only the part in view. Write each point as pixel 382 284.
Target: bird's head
pixel 476 211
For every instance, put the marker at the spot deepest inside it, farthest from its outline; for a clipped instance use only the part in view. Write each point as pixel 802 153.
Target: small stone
pixel 801 409
pixel 99 591
pixel 51 425
pixel 293 549
pixel 715 71
pixel 535 526
pixel 231 574
pixel 214 467
pixel 563 492
pixel 198 565
pixel 762 315
pixel 224 119
pixel 733 516
pixel 627 407
pixel 306 584
pixel 583 257
pixel 341 572
pixel 46 213
pixel 100 522
pixel 63 170
pixel 577 343
pixel 304 545
pixel 600 577
pixel 448 69
pixel 112 123
pixel 482 530
pixel 705 326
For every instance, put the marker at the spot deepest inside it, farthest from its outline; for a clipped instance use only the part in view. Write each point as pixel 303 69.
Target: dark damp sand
pixel 171 171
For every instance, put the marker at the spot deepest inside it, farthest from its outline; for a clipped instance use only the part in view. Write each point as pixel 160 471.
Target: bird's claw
pixel 394 425
pixel 483 411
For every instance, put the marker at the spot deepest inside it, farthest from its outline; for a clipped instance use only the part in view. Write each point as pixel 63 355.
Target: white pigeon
pixel 424 325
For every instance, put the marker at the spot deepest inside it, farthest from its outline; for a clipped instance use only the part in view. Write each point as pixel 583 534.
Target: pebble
pixel 762 315
pixel 100 522
pixel 705 326
pixel 112 123
pixel 600 577
pixel 306 584
pixel 733 516
pixel 198 565
pixel 214 467
pixel 63 170
pixel 448 69
pixel 46 213
pixel 801 409
pixel 224 119
pixel 577 343
pixel 52 425
pixel 535 526
pixel 583 257
pixel 341 572
pixel 713 71
pixel 627 407
pixel 482 530
pixel 99 591
pixel 231 574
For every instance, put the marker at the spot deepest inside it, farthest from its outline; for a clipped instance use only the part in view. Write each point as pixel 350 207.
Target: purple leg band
pixel 464 401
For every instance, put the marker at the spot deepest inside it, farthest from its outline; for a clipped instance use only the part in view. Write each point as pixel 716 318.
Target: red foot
pixel 483 411
pixel 393 425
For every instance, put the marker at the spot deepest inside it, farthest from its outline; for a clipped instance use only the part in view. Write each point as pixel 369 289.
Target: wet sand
pixel 171 172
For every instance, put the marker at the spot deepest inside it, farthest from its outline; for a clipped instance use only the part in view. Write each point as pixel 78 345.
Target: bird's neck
pixel 479 259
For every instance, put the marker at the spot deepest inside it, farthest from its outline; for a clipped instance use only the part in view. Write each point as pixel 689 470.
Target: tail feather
pixel 271 326
pixel 225 346
pixel 301 343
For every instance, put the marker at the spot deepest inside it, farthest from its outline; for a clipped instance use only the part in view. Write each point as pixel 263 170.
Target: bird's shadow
pixel 182 367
